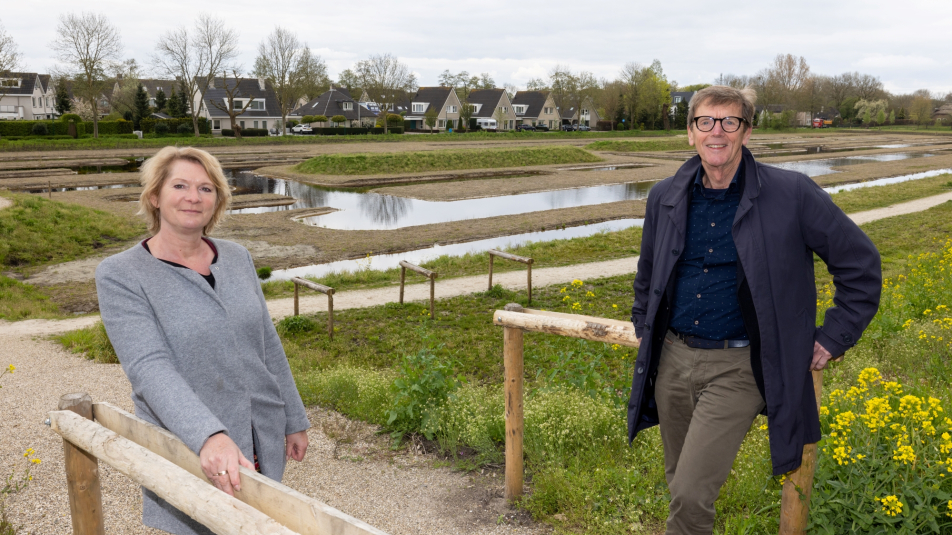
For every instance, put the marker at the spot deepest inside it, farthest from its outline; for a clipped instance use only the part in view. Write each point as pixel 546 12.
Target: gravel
pixel 348 466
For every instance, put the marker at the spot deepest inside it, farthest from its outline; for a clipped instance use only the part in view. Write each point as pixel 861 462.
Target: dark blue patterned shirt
pixel 705 301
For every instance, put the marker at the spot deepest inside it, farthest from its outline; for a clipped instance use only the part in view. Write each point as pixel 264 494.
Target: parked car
pixel 568 128
pixel 541 128
pixel 301 129
pixel 525 128
pixel 583 128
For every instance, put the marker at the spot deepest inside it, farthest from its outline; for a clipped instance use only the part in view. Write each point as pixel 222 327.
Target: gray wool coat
pixel 200 360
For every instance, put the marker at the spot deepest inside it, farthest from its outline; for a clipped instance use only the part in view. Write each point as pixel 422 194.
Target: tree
pixel 881 116
pixel 195 57
pixel 160 100
pixel 839 87
pixel 348 80
pixel 558 81
pixel 88 44
pixel 10 57
pixel 485 81
pixel 892 116
pixel 124 84
pixel 501 118
pixel 232 88
pixel 288 64
pixel 868 86
pixel 386 80
pixel 62 103
pixel 920 110
pixel 610 99
pixel 430 117
pixel 581 90
pixel 730 80
pixel 511 90
pixel 141 109
pixel 338 119
pixel 646 90
pixel 536 84
pixel 698 87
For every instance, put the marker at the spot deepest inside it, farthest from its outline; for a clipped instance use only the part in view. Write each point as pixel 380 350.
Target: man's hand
pixel 295 446
pixel 221 454
pixel 820 357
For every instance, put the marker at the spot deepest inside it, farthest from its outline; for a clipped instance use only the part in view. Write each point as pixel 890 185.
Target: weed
pixel 294 325
pixel 423 384
pixel 264 272
pixel 92 342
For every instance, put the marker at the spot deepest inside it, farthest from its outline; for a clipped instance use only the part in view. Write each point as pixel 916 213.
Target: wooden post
pixel 491 256
pixel 432 295
pixel 330 315
pixel 296 309
pixel 529 265
pixel 512 357
pixel 795 497
pixel 403 278
pixel 516 258
pixel 82 474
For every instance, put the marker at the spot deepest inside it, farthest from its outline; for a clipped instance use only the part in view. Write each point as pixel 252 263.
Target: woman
pixel 189 323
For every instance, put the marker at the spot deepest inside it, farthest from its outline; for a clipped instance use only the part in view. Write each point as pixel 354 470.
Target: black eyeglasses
pixel 728 124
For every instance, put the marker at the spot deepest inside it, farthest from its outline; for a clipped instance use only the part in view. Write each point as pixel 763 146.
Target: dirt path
pixel 909 207
pixel 348 465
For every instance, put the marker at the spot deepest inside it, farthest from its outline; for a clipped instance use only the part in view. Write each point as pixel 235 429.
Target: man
pixel 725 304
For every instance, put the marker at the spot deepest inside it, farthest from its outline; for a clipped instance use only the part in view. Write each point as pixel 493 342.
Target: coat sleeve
pixel 642 283
pixel 147 360
pixel 277 363
pixel 852 259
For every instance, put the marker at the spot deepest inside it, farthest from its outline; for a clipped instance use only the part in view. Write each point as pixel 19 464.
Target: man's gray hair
pixel 722 95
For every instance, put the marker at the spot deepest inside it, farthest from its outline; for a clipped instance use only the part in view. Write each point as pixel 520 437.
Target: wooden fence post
pixel 797 489
pixel 529 272
pixel 327 290
pixel 432 296
pixel 296 310
pixel 82 474
pixel 404 266
pixel 512 356
pixel 491 256
pixel 403 278
pixel 523 259
pixel 330 315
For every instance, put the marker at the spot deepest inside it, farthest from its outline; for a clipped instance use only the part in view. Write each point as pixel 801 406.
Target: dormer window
pixel 520 109
pixel 419 107
pixel 347 106
pixel 10 82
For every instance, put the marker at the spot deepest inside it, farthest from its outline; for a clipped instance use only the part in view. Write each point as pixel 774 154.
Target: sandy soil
pixel 5 203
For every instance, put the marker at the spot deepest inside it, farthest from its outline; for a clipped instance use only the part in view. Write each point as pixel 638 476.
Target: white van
pixel 486 124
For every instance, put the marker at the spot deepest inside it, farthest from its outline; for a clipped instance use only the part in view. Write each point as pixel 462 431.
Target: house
pixel 678 97
pixel 535 108
pixel 944 112
pixel 442 100
pixel 337 101
pixel 588 117
pixel 487 102
pixel 27 96
pixel 263 112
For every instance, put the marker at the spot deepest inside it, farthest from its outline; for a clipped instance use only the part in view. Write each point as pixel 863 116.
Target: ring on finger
pixel 222 473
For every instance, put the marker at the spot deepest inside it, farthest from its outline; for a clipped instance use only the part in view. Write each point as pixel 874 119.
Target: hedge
pixel 33 138
pixel 107 128
pixel 245 132
pixel 148 125
pixel 347 131
pixel 25 128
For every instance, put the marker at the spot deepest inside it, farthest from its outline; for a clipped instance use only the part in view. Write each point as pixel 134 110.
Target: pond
pixel 826 165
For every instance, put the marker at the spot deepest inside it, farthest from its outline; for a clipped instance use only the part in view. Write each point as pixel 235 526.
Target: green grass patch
pixel 91 342
pixel 861 199
pixel 441 160
pixel 598 247
pixel 36 231
pixel 679 143
pixel 24 301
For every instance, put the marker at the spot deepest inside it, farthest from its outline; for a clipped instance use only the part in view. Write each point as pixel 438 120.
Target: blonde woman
pixel 191 328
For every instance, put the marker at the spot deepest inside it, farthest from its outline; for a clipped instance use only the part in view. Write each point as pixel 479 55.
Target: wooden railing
pixel 159 461
pixel 515 258
pixel 317 288
pixel 432 275
pixel 515 320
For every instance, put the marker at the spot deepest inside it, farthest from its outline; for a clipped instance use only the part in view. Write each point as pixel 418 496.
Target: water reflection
pixel 826 165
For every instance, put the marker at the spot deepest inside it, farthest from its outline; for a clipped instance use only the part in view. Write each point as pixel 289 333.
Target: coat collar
pixel 749 179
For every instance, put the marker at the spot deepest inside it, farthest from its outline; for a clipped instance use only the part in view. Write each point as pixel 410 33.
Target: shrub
pixel 319 119
pixel 354 392
pixel 39 129
pixel 67 117
pixel 562 423
pixel 227 132
pixel 184 128
pixel 148 125
pixel 473 417
pixel 307 119
pixel 292 325
pixel 423 384
pixel 264 272
pixel 110 127
pixel 394 120
pixel 161 129
pixel 338 119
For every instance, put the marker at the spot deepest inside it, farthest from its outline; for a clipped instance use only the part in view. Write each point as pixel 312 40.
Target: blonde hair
pixel 721 95
pixel 155 171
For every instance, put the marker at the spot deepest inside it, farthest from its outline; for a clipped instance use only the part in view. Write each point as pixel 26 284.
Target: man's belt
pixel 704 343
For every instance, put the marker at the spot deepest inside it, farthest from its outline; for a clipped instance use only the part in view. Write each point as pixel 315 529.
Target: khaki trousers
pixel 707 400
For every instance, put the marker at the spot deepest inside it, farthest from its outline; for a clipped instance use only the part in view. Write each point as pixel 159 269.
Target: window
pixel 256 124
pixel 520 109
pixel 241 124
pixel 237 104
pixel 348 106
pixel 34 102
pixel 549 110
pixel 264 124
pixel 103 103
pixel 257 104
pixel 216 124
pixel 505 109
pixel 584 111
pixel 452 109
pixel 441 124
pixel 10 82
pixel 419 107
pixel 677 99
pixel 151 102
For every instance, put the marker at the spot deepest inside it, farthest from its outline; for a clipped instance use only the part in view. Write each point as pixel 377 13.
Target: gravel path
pixel 908 207
pixel 348 465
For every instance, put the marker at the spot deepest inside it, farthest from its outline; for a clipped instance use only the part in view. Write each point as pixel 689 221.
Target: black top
pixel 210 278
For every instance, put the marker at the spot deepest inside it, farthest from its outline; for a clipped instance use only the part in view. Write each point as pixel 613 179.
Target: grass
pixel 20 301
pixel 118 143
pixel 861 199
pixel 442 160
pixel 36 231
pixel 679 143
pixel 90 342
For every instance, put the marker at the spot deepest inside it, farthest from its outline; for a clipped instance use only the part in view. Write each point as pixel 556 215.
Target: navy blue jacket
pixel 783 218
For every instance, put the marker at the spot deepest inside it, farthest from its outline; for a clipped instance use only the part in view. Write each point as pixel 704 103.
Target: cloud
pixel 879 62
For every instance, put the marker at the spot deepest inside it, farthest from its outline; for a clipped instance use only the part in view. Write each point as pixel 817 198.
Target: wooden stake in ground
pixel 82 474
pixel 513 392
pixel 516 258
pixel 797 489
pixel 404 266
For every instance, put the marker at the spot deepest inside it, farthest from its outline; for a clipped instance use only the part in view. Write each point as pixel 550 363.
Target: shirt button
pixel 712 224
pixel 705 270
pixel 641 370
pixel 710 250
pixel 695 322
pixel 674 251
pixel 698 296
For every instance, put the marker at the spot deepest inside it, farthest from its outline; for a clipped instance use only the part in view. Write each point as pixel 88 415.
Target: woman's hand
pixel 295 446
pixel 221 454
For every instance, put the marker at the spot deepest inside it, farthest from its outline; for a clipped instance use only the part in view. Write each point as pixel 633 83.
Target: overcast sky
pixel 907 44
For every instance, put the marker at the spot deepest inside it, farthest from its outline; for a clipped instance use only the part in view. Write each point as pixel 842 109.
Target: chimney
pixel 261 84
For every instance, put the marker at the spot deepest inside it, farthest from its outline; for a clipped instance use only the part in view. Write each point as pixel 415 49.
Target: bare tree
pixel 195 57
pixel 232 90
pixel 125 83
pixel 511 89
pixel 840 87
pixel 611 98
pixel 558 81
pixel 88 44
pixel 733 80
pixel 288 64
pixel 536 84
pixel 10 58
pixel 580 88
pixel 630 77
pixel 868 87
pixel 386 80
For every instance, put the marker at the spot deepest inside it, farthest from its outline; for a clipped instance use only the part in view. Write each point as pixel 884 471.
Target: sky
pixel 906 44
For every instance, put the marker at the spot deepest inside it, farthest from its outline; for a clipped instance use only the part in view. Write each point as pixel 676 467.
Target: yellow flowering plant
pixel 886 461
